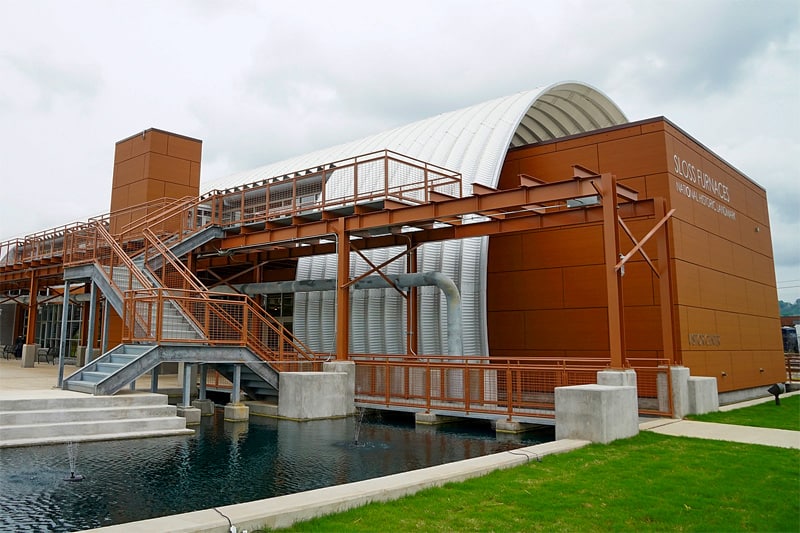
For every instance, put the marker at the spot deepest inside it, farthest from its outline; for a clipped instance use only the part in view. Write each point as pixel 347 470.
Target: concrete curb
pixel 283 511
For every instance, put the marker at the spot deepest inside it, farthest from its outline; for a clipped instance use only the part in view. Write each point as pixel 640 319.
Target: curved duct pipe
pixel 421 279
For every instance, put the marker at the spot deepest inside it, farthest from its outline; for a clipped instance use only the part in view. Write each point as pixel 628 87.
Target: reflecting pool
pixel 223 463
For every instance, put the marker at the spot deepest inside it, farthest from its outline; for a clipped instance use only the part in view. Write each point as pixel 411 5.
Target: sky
pixel 262 81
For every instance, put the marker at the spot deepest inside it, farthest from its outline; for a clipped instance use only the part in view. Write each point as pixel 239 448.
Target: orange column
pixel 342 292
pixel 30 332
pixel 665 286
pixel 616 325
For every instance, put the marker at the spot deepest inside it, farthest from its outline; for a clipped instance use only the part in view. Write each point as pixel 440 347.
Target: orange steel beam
pixel 616 323
pixel 507 201
pixel 665 286
pixel 30 333
pixel 639 244
pixel 342 292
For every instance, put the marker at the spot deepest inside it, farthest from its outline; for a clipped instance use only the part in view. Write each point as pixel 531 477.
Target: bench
pixel 49 354
pixel 8 349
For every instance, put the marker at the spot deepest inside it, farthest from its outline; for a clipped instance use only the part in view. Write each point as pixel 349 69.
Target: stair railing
pixel 223 317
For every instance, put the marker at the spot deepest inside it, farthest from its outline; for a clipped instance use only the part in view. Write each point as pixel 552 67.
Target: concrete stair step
pixel 137 399
pixel 41 441
pixel 73 429
pixel 54 416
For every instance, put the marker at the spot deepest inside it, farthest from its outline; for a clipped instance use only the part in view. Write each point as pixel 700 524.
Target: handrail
pixel 222 318
pixel 389 175
pixel 124 259
pixel 187 275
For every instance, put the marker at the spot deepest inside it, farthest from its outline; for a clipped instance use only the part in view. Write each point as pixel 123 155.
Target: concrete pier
pixel 599 413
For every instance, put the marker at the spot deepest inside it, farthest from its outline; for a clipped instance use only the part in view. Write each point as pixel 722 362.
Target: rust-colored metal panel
pixel 563 247
pixel 607 135
pixel 642 329
pixel 584 286
pixel 634 156
pixel 639 284
pixel 184 148
pixel 508 331
pixel 170 169
pixel 509 175
pixel 718 365
pixel 194 176
pixel 505 253
pixel 556 166
pixel 567 329
pixel 128 171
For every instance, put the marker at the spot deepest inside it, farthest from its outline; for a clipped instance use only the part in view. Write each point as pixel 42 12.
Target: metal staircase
pixel 169 315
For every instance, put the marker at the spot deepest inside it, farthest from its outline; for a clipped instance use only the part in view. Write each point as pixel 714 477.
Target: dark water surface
pixel 222 464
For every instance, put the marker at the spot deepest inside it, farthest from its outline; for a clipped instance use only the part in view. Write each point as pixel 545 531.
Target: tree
pixel 788 309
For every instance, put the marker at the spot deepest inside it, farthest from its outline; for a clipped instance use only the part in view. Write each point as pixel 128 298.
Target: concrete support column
pixel 205 405
pixel 236 411
pixel 617 378
pixel 191 414
pixel 679 387
pixel 312 395
pixel 703 396
pixel 29 352
pixel 430 419
pixel 80 356
pixel 598 413
pixel 348 368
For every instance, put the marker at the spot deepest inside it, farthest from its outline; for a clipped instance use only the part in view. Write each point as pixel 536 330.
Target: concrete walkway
pixel 40 381
pixel 782 438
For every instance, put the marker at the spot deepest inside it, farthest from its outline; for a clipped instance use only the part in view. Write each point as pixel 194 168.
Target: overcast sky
pixel 261 81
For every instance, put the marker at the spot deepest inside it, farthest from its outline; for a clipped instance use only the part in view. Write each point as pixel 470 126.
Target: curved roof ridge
pixel 472 140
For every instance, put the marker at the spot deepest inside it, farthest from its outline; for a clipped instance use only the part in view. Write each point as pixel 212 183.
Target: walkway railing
pixel 382 175
pixel 514 388
pixel 222 319
pixel 792 367
pixel 378 176
pixel 489 385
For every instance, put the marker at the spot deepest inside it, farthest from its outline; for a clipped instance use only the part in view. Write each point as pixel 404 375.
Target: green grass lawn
pixel 649 482
pixel 766 415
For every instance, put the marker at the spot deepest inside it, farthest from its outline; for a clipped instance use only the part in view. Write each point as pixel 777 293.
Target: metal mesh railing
pixel 470 385
pixel 175 316
pixel 792 362
pixel 514 388
pixel 654 385
pixel 370 177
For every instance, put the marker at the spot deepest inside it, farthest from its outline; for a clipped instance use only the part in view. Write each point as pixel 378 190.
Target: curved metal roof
pixel 472 141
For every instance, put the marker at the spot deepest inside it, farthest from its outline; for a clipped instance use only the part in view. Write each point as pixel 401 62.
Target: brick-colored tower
pixel 151 165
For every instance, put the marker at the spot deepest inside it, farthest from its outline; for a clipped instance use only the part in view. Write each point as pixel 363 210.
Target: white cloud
pixel 261 81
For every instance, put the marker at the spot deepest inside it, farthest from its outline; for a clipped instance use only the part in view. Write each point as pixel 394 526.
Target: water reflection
pixel 224 463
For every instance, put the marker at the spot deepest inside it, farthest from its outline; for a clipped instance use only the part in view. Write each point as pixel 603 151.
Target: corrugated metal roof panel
pixel 472 141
